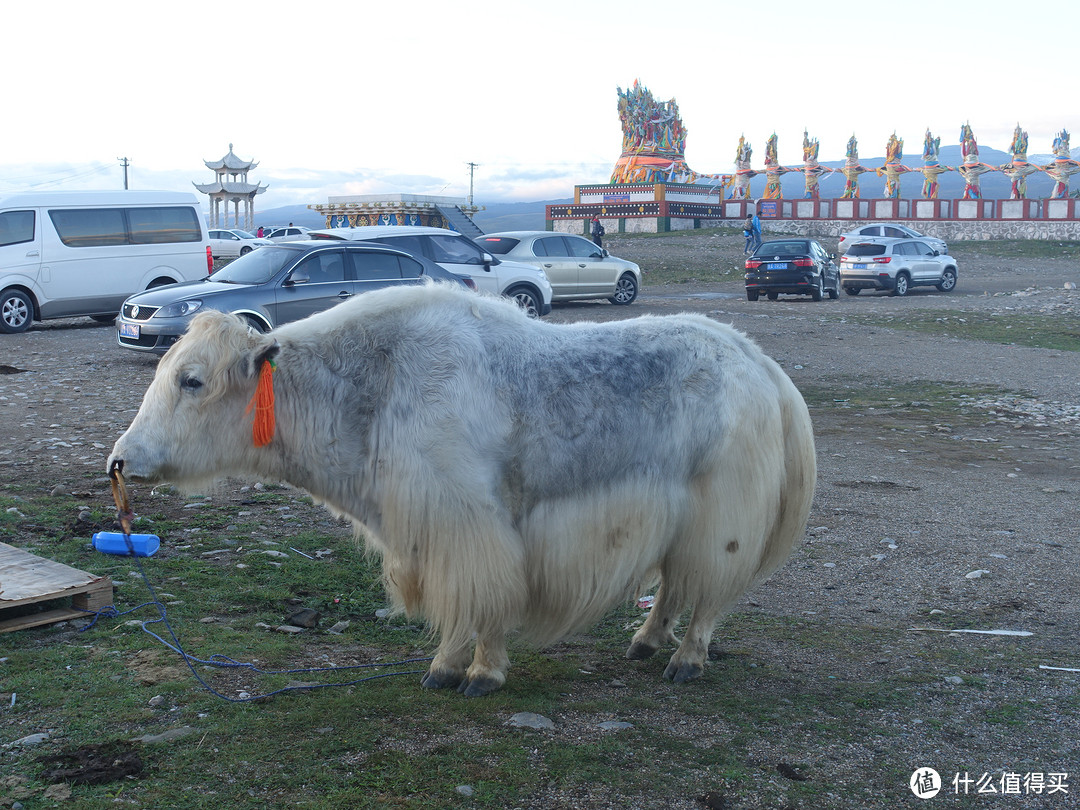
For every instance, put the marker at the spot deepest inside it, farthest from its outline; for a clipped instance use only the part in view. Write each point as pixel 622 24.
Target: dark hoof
pixel 639 651
pixel 440 680
pixel 683 673
pixel 478 687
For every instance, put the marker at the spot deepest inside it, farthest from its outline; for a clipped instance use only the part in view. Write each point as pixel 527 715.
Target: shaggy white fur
pixel 510 472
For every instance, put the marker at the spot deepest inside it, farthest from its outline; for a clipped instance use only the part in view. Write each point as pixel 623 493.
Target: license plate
pixel 776 266
pixel 129 330
pixel 860 267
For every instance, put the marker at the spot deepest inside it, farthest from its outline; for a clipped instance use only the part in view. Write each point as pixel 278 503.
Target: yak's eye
pixel 189 382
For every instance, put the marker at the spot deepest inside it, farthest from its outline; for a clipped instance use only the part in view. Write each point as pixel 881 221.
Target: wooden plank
pixel 26 579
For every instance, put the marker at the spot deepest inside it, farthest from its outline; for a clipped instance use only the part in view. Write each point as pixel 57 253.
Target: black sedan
pixel 793 266
pixel 271 286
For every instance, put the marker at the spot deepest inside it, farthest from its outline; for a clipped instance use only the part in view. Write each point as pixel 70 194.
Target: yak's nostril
pixel 117 466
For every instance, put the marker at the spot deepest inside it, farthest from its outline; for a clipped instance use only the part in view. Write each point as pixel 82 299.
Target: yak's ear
pixel 266 349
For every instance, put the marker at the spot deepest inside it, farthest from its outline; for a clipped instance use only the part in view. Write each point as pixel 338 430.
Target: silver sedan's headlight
pixel 179 309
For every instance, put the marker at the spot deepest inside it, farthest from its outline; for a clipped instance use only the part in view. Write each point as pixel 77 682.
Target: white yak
pixel 510 473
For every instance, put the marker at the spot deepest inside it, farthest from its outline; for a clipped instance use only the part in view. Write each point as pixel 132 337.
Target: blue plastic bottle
pixel 114 543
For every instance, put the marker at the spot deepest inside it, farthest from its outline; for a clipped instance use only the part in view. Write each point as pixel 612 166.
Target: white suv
pixel 895 265
pixel 460 255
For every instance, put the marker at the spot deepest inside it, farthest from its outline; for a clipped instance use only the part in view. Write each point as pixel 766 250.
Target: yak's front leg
pixel 488 670
pixel 447 669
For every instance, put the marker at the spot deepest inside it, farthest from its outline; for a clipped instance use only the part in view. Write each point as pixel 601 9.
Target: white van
pixel 71 253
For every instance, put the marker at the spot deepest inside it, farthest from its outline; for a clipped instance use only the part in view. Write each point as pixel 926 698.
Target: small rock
pixel 156 701
pixel 830 565
pixel 165 736
pixel 976 574
pixel 615 683
pixel 289 629
pixel 59 489
pixel 464 790
pixel 530 720
pixel 33 739
pixel 339 628
pixel 955 680
pixel 305 617
pixel 615 725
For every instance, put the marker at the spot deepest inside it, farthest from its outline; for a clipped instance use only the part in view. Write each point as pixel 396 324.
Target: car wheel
pixel 948 280
pixel 16 311
pixel 771 296
pixel 834 293
pixel 527 300
pixel 751 295
pixel 626 290
pixel 159 282
pixel 103 318
pixel 255 324
pixel 901 286
pixel 245 250
pixel 853 290
pixel 818 292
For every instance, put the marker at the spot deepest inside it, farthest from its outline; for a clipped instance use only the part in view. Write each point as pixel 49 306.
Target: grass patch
pixel 1016 248
pixel 1033 331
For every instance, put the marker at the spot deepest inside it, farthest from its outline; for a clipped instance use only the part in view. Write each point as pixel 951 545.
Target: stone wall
pixel 949 230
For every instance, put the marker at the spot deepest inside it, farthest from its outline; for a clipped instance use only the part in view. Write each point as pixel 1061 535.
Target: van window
pixel 156 226
pixel 96 227
pixel 16 227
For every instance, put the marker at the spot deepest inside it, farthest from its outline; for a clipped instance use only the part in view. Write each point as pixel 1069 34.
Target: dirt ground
pixel 924 517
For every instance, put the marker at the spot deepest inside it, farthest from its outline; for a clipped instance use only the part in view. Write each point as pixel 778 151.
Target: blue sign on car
pixel 776 266
pixel 129 330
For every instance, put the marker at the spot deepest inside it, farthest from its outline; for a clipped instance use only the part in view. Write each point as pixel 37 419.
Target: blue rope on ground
pixel 225 662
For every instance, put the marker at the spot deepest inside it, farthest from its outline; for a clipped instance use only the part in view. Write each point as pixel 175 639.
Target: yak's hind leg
pixel 688 662
pixel 659 627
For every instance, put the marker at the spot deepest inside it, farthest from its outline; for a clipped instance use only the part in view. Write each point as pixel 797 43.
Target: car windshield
pixel 256 267
pixel 782 249
pixel 867 250
pixel 244 234
pixel 499 245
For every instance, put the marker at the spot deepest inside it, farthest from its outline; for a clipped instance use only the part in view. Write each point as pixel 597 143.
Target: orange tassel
pixel 262 429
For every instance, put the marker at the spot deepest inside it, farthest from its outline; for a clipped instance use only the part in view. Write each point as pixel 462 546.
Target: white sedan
pixel 292 233
pixel 232 243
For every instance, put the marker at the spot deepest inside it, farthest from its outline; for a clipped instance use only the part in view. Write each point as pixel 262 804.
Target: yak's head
pixel 194 425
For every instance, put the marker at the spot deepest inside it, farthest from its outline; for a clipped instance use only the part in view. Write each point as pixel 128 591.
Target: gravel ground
pixel 931 511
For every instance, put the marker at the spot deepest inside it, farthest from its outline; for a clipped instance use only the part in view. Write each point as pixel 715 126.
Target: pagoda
pixel 231 186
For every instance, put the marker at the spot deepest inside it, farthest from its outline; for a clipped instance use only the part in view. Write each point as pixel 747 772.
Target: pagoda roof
pixel 218 187
pixel 231 162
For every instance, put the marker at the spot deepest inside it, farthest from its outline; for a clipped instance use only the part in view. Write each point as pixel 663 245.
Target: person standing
pixel 259 233
pixel 748 234
pixel 597 231
pixel 756 227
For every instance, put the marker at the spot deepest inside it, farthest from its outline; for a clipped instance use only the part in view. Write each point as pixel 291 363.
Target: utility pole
pixel 125 163
pixel 472 168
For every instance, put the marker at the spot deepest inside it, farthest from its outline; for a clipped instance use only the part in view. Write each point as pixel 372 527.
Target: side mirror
pixel 298 277
pixel 488 260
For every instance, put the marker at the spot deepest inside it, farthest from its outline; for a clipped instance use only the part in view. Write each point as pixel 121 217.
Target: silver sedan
pixel 576 268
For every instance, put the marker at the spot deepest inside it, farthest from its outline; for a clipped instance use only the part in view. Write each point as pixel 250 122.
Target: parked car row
pixel 878 256
pixel 284 281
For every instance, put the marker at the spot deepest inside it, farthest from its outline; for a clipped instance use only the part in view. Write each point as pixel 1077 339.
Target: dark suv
pixel 794 266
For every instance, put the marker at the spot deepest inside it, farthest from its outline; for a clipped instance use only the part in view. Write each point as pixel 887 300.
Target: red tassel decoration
pixel 262 429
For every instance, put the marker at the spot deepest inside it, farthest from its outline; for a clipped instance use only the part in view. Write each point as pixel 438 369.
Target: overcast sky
pixel 361 98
